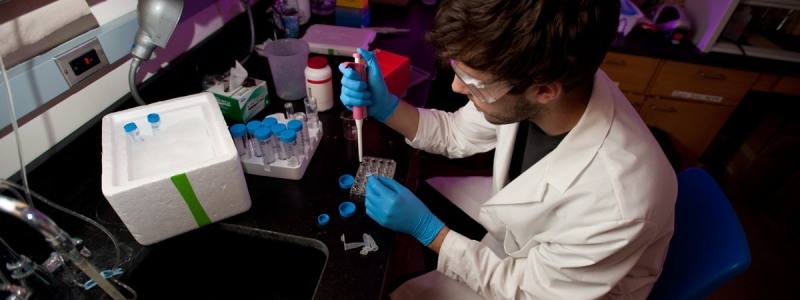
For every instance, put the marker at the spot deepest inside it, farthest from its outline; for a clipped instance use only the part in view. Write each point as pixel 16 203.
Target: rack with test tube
pixel 264 153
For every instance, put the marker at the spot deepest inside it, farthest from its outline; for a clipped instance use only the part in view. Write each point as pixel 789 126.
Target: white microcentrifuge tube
pixel 133 132
pixel 239 135
pixel 154 120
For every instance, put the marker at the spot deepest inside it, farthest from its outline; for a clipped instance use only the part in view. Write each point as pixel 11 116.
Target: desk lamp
pixel 157 21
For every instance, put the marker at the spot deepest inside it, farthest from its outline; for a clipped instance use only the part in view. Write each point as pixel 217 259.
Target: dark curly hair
pixel 526 42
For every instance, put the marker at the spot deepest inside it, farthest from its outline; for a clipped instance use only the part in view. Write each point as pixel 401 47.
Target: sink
pixel 225 261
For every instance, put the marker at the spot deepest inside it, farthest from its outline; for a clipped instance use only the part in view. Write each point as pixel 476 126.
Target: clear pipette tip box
pixel 369 166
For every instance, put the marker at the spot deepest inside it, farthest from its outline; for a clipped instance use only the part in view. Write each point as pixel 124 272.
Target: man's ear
pixel 544 93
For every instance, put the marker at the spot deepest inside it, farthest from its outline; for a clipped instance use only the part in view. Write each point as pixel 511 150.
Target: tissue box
pixel 242 103
pixel 181 176
pixel 396 70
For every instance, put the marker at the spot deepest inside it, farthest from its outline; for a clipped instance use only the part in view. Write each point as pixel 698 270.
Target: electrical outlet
pixel 82 61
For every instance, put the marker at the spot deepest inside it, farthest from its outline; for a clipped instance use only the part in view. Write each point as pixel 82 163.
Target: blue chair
pixel 709 246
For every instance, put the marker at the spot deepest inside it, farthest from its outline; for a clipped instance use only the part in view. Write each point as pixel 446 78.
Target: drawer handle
pixel 666 110
pixel 618 62
pixel 711 75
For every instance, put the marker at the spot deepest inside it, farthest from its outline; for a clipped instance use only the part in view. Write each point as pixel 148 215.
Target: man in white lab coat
pixel 582 199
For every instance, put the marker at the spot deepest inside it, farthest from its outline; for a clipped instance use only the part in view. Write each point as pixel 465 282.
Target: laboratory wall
pixel 42 131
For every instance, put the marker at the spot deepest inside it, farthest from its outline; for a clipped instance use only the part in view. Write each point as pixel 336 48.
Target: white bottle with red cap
pixel 319 82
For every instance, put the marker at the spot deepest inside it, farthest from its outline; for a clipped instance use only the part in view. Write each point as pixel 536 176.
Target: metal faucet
pixel 58 239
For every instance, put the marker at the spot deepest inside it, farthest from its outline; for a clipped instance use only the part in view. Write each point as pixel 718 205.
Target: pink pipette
pixel 360 112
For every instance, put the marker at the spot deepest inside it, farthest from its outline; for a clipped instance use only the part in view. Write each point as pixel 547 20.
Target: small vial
pixel 133 132
pixel 239 135
pixel 264 138
pixel 297 126
pixel 311 112
pixel 289 144
pixel 301 116
pixel 277 129
pixel 289 109
pixel 251 138
pixel 155 121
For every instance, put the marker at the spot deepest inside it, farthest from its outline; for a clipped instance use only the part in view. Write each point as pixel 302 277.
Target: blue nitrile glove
pixel 374 95
pixel 392 205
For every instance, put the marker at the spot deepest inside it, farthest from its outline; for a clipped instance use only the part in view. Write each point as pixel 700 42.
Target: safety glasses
pixel 487 93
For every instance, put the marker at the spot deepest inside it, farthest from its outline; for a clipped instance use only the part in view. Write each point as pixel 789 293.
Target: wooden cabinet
pixel 693 124
pixel 689 101
pixel 632 73
pixel 788 85
pixel 702 83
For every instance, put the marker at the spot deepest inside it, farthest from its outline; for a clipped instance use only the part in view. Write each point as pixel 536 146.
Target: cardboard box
pixel 352 3
pixel 242 103
pixel 352 17
pixel 396 70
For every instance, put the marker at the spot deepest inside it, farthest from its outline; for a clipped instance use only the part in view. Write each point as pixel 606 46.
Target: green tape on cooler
pixel 181 183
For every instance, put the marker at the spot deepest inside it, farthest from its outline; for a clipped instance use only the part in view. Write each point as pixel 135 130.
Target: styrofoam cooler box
pixel 184 175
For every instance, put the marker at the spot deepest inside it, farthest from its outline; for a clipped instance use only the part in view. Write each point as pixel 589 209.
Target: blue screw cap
pixel 288 136
pixel 346 181
pixel 323 219
pixel 238 130
pixel 153 118
pixel 130 127
pixel 262 133
pixel 347 209
pixel 252 126
pixel 295 125
pixel 277 129
pixel 269 121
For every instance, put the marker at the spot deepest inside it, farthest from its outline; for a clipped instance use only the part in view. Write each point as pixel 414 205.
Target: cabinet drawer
pixel 788 85
pixel 704 83
pixel 636 99
pixel 631 72
pixel 693 124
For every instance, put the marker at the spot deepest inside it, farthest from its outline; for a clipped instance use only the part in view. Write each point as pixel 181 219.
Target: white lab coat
pixel 592 219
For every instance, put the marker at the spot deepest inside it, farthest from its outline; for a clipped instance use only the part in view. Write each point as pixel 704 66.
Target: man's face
pixel 504 109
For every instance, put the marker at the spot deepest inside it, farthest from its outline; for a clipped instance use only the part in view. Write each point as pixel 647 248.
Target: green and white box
pixel 241 103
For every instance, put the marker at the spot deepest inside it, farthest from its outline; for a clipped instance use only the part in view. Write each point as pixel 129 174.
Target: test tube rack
pixel 280 168
pixel 370 165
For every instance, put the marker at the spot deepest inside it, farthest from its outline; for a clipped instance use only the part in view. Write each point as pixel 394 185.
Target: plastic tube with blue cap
pixel 239 135
pixel 264 138
pixel 133 132
pixel 252 142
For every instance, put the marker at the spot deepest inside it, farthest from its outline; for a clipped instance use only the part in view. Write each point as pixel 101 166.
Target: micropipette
pixel 360 112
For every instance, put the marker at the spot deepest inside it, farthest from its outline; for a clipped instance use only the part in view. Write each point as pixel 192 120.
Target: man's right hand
pixel 373 94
